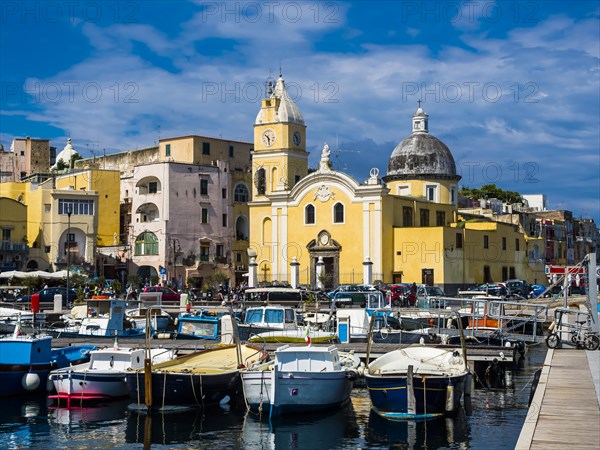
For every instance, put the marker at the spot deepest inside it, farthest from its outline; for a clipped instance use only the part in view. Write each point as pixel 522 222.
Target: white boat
pixel 104 376
pixel 259 319
pixel 159 318
pixel 301 379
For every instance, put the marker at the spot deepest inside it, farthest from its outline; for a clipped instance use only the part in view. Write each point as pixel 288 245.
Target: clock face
pixel 268 137
pixel 297 138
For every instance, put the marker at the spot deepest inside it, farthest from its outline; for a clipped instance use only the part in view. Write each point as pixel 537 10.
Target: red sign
pixel 562 269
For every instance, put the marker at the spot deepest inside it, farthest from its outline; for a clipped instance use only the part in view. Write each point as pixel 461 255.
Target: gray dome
pixel 421 156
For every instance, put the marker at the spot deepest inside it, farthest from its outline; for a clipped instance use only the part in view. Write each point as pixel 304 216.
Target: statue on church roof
pixel 325 164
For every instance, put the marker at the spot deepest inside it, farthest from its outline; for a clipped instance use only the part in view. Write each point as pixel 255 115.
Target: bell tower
pixel 280 158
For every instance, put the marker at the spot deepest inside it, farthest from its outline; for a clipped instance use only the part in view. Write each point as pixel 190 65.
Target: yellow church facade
pixel 402 227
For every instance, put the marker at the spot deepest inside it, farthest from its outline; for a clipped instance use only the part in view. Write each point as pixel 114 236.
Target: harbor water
pixel 492 419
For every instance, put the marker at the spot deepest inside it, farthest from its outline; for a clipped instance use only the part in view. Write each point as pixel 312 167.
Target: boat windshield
pixel 254 315
pixel 274 316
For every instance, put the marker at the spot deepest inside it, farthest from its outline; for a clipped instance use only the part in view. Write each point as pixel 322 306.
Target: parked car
pixel 496 289
pixel 400 295
pixel 536 290
pixel 168 294
pixel 47 295
pixel 517 287
pixel 428 296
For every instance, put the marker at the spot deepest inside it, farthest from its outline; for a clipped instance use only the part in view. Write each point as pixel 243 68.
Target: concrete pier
pixel 565 410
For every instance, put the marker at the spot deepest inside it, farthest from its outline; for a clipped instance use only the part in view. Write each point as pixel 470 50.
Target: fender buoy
pixel 30 381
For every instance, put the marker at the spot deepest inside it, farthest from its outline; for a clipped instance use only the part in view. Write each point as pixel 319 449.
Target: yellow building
pixel 403 227
pixel 14 250
pixel 56 237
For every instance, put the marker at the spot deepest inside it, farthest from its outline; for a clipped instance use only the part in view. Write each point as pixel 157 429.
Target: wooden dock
pixel 565 411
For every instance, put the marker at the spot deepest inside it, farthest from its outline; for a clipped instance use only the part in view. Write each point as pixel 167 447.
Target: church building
pixel 402 227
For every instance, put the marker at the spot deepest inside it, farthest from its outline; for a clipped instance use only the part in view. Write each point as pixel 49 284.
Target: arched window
pixel 309 215
pixel 338 213
pixel 240 193
pixel 260 181
pixel 146 244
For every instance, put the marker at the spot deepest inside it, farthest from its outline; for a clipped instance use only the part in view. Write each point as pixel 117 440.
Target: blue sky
pixel 511 87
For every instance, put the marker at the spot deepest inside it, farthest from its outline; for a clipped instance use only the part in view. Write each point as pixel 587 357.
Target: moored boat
pixel 103 377
pixel 26 360
pixel 301 379
pixel 417 381
pixel 199 379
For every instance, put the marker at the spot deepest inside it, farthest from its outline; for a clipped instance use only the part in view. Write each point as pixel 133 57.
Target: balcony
pixel 8 246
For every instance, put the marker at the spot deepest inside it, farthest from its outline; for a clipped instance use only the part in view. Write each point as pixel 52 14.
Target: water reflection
pixel 182 427
pixel 433 433
pixel 322 430
pixel 86 415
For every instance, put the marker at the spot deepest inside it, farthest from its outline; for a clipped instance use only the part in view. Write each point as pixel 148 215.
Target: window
pixel 153 187
pixel 168 150
pixel 512 273
pixel 453 195
pixel 204 252
pixel 223 193
pixel 296 178
pixel 238 257
pixel 504 245
pixel 77 207
pixel 430 192
pixel 6 234
pixel 517 245
pixel 224 220
pixel 219 250
pixel 459 240
pixel 504 273
pixel 261 181
pixel 240 193
pixel 338 213
pixel 231 151
pixel 440 218
pixel 146 244
pixel 424 217
pixel 309 215
pixel 46 249
pixel 486 241
pixel 487 275
pixel 204 215
pixel 203 187
pixel 47 207
pixel 407 216
pixel 206 148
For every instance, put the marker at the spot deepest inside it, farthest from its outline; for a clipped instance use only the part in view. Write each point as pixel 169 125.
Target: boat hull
pixel 296 392
pixel 200 390
pixel 389 394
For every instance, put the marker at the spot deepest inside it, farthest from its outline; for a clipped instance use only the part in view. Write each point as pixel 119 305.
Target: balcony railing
pixel 8 246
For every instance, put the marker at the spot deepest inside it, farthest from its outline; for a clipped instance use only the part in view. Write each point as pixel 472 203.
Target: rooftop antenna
pixel 338 150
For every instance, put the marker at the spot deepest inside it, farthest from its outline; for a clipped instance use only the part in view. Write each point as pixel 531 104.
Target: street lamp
pixel 69 212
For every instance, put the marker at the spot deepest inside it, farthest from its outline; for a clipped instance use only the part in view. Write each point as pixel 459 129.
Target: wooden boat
pixel 25 362
pixel 301 379
pixel 416 381
pixel 198 379
pixel 103 377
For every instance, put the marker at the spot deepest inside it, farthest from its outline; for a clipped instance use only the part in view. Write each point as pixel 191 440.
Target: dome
pixel 66 154
pixel 287 111
pixel 421 155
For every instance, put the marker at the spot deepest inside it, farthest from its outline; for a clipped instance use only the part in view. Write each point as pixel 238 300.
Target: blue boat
pixel 199 325
pixel 25 362
pixel 417 382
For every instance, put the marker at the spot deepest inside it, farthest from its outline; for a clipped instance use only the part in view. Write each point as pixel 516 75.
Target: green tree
pixel 488 191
